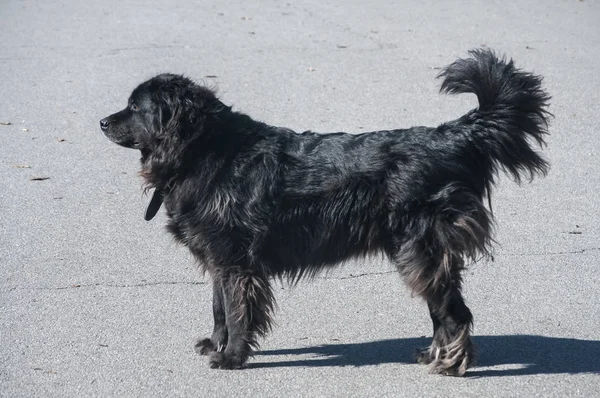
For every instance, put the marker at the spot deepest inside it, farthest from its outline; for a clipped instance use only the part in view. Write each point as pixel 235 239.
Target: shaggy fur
pixel 253 201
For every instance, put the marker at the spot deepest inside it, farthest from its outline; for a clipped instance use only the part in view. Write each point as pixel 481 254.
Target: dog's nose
pixel 104 123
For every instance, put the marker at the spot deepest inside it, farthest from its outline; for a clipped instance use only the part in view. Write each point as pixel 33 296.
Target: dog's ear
pixel 167 97
pixel 183 113
pixel 169 115
pixel 183 105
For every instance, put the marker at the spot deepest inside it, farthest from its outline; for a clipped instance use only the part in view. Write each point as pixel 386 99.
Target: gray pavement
pixel 94 301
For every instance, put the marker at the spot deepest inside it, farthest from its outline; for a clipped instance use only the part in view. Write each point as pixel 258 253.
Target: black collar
pixel 157 199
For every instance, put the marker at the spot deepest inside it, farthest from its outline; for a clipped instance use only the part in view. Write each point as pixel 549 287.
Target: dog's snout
pixel 104 123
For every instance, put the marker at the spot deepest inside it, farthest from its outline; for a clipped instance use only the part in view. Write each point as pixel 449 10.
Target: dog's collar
pixel 155 202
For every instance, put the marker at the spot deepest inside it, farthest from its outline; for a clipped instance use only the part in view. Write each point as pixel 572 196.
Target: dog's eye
pixel 135 108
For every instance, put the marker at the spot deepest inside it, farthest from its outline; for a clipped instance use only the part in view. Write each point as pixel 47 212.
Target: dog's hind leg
pixel 218 340
pixel 248 301
pixel 423 354
pixel 431 263
pixel 451 351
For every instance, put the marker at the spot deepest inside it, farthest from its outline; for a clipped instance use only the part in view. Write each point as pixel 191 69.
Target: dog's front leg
pixel 248 301
pixel 218 340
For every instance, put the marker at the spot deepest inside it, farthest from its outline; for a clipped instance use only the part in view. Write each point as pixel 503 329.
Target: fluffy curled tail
pixel 512 110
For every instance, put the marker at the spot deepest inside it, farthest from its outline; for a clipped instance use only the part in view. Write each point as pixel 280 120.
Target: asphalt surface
pixel 94 301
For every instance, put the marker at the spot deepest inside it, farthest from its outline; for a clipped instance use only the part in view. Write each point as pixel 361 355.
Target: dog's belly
pixel 309 244
pixel 298 258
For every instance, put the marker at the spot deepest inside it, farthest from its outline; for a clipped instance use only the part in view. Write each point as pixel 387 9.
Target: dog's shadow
pixel 531 354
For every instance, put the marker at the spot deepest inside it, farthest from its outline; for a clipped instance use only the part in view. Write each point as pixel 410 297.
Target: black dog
pixel 253 201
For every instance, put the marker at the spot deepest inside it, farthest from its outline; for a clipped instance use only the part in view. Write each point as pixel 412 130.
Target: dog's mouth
pixel 126 142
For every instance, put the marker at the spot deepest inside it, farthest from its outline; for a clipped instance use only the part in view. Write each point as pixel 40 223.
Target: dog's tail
pixel 512 110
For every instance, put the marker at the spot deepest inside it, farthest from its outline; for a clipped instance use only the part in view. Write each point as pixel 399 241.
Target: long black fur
pixel 253 201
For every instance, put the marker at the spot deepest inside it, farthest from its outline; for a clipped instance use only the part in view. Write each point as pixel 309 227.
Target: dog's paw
pixel 446 368
pixel 206 346
pixel 219 360
pixel 451 362
pixel 423 356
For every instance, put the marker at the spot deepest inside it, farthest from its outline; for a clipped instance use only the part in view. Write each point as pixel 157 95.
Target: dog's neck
pixel 162 175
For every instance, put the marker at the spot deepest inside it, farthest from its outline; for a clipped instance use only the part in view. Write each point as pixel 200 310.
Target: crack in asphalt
pixel 579 251
pixel 351 276
pixel 100 284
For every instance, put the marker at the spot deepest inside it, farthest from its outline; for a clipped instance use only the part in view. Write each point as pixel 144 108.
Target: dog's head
pixel 163 115
pixel 158 109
